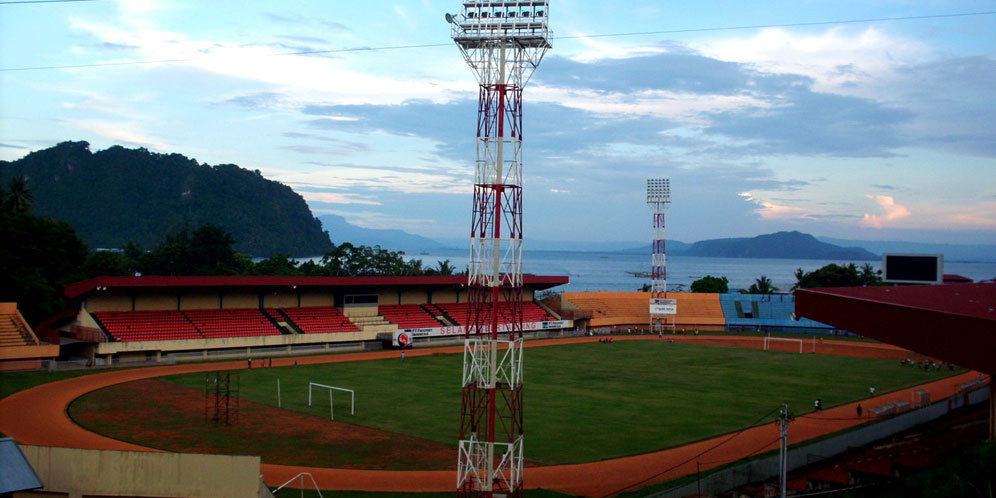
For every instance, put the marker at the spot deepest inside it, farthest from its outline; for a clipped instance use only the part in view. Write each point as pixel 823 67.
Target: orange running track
pixel 39 416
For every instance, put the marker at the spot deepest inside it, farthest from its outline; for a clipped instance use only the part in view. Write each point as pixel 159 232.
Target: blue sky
pixel 876 131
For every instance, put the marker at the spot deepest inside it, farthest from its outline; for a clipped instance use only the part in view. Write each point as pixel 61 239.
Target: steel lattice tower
pixel 659 199
pixel 503 43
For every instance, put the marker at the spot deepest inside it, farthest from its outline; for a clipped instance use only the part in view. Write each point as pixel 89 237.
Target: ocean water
pixel 607 271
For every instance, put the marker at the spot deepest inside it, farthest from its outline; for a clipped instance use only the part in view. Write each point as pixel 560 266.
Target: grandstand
pixel 608 309
pixel 700 311
pixel 124 319
pixel 319 320
pixel 766 311
pixel 20 348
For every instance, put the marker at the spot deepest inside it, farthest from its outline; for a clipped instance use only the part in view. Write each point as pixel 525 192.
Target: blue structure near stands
pixel 767 311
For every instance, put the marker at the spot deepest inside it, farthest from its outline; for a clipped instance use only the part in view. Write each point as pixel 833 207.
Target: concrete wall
pixel 78 473
pixel 240 300
pixel 155 301
pixel 317 299
pixel 108 301
pixel 444 296
pixel 105 348
pixel 199 301
pixel 419 296
pixel 280 299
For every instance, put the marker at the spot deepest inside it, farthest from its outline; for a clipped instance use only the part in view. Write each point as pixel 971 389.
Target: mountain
pixel 952 252
pixel 119 195
pixel 342 231
pixel 674 248
pixel 787 245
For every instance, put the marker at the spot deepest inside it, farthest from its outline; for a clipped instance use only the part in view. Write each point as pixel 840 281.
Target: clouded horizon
pixel 876 131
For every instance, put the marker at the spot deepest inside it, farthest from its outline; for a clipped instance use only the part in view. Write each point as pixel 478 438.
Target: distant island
pixel 781 245
pixel 120 195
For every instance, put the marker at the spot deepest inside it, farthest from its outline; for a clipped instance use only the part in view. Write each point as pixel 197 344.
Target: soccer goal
pixel 352 397
pixel 767 342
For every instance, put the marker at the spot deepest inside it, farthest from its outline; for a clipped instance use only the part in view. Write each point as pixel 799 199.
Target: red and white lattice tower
pixel 503 43
pixel 659 199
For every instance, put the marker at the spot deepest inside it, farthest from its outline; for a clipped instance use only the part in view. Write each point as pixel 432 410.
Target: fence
pixel 767 468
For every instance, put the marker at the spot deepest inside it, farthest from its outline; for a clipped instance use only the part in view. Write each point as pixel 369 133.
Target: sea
pixel 611 271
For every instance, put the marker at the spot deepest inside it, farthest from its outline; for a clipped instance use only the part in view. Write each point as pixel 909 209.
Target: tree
pixel 442 268
pixel 18 197
pixel 209 250
pixel 645 288
pixel 869 275
pixel 711 284
pixel 347 260
pixel 832 275
pixel 277 265
pixel 762 285
pixel 38 258
pixel 106 264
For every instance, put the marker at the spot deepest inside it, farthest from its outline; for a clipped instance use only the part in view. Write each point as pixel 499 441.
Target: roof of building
pixel 955 323
pixel 17 473
pixel 79 289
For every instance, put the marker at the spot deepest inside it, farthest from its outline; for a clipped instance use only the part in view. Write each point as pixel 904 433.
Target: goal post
pixel 768 339
pixel 352 397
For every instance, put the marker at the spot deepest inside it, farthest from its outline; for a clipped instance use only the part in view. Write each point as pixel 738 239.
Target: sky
pixel 881 130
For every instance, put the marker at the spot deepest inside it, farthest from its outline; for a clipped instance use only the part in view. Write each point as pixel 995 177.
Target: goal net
pixel 331 389
pixel 769 341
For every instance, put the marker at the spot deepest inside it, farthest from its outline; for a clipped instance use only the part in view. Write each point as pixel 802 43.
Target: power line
pixel 696 457
pixel 42 1
pixel 433 45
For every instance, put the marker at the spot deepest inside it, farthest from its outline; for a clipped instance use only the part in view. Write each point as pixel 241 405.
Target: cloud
pixel 335 198
pixel 11 146
pixel 892 210
pixel 883 187
pixel 121 132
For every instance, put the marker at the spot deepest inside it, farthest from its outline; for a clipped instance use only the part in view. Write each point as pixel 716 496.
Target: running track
pixel 38 416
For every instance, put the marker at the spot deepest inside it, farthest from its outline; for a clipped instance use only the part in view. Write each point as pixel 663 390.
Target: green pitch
pixel 586 402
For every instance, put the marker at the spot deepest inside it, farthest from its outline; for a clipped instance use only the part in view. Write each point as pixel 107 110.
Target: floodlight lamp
pixel 449 18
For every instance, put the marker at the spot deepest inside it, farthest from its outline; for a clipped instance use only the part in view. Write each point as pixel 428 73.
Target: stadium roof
pixel 954 323
pixel 16 473
pixel 87 286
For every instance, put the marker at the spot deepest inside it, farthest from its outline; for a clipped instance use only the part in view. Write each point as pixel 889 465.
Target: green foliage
pixel 443 268
pixel 209 250
pixel 38 257
pixel 834 275
pixel 119 195
pixel 347 260
pixel 711 284
pixel 762 285
pixel 108 264
pixel 18 197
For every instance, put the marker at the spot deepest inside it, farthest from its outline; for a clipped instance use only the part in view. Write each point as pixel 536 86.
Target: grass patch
pixel 606 400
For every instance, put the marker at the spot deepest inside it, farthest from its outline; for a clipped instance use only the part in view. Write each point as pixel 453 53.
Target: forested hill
pixel 793 245
pixel 119 195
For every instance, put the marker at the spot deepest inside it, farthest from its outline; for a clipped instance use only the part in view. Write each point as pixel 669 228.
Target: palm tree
pixel 18 196
pixel 869 275
pixel 444 267
pixel 762 285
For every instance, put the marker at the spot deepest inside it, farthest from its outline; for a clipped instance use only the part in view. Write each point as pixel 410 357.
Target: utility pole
pixel 783 425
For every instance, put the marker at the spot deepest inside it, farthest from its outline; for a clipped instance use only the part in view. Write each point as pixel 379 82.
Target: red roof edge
pixel 78 289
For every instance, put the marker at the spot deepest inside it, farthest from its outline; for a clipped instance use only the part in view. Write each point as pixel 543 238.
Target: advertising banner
pixel 663 306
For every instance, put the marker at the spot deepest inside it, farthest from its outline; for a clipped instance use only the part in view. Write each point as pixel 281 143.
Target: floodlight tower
pixel 659 199
pixel 503 42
